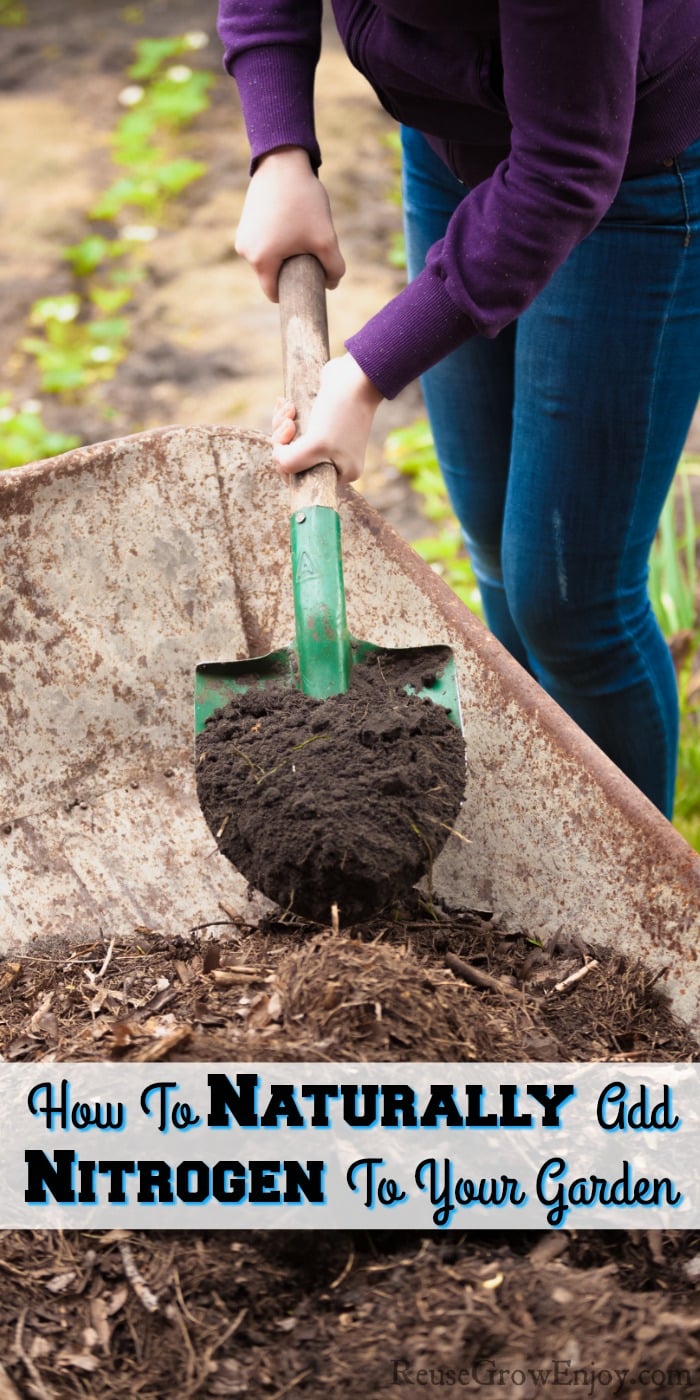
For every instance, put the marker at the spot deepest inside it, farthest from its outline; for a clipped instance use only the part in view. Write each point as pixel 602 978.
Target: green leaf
pixel 32 344
pixel 12 13
pixel 110 331
pixel 62 379
pixel 61 309
pixel 151 54
pixel 128 191
pixel 178 174
pixel 110 299
pixel 177 103
pixel 130 144
pixel 672 574
pixel 396 254
pixel 85 257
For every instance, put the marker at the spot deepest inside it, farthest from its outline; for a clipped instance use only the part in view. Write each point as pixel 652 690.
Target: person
pixel 551 168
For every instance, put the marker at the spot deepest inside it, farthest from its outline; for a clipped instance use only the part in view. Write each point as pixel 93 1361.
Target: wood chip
pixel 7 1390
pixel 114 1237
pixel 124 1032
pixel 233 976
pixel 655 1240
pixel 11 973
pixel 107 960
pixel 677 1321
pixel 480 979
pixel 145 1295
pixel 99 1313
pixel 42 1010
pixel 158 1049
pixel 60 1282
pixel 231 913
pixel 575 976
pixel 40 1348
pixel 212 957
pixel 77 1360
pixel 159 1000
pixel 40 1389
pixel 115 1302
pixel 548 1249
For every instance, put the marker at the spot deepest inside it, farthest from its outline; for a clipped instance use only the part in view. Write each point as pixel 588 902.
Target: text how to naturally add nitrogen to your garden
pixel 338 1146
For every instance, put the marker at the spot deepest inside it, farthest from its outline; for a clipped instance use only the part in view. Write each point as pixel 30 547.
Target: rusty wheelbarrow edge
pixel 16 491
pixel 660 852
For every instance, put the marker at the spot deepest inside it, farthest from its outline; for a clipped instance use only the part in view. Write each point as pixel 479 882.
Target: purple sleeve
pixel 570 87
pixel 272 50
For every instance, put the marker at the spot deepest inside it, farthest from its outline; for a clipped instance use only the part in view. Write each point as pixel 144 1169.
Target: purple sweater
pixel 540 106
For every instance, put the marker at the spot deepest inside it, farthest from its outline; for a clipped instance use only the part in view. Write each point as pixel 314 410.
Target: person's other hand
pixel 339 423
pixel 286 211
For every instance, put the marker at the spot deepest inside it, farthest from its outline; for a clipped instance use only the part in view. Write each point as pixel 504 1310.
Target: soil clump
pixel 342 801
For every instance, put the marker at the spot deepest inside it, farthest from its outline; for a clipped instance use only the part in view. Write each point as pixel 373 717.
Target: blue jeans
pixel 558 442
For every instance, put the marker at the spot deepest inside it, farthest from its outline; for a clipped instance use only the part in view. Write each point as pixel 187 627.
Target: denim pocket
pixel 668 197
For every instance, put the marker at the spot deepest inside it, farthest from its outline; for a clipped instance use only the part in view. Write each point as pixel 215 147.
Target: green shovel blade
pixel 321 661
pixel 218 682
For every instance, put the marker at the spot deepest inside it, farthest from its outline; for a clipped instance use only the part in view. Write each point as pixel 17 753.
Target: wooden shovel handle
pixel 305 350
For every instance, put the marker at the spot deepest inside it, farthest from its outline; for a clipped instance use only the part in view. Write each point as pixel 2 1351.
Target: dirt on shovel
pixel 342 801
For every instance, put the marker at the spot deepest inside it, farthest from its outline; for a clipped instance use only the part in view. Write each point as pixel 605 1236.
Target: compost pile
pixel 343 801
pixel 114 1315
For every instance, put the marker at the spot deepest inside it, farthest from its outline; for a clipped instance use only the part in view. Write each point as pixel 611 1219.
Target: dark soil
pixel 344 801
pixel 352 1314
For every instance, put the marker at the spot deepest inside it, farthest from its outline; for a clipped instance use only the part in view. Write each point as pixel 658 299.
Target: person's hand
pixel 286 211
pixel 339 423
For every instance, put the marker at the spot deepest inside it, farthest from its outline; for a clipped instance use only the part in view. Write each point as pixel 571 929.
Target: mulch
pixel 357 1314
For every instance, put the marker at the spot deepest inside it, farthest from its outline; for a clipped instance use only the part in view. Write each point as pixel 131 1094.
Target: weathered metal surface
pixel 124 564
pixel 136 857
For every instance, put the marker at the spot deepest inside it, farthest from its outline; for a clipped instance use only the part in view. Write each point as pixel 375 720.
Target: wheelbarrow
pixel 121 565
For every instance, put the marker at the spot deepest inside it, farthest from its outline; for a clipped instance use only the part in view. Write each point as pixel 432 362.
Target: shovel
pixel 320 660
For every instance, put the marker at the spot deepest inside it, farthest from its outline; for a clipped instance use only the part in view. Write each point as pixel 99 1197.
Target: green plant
pixel 148 191
pixel 396 253
pixel 672 588
pixel 72 353
pixel 686 812
pixel 153 54
pixel 672 568
pixel 412 452
pixel 12 13
pixel 24 436
pixel 161 100
pixel 88 255
pixel 79 338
